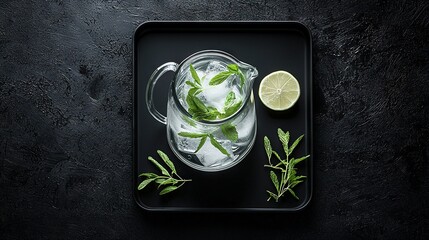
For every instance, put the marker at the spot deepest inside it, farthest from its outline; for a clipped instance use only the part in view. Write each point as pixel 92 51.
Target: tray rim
pixel 258 24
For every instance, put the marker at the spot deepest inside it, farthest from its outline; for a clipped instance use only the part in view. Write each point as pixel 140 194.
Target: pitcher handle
pixel 170 66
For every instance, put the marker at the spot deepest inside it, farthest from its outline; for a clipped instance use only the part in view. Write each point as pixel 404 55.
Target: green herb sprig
pixel 196 107
pixel 286 167
pixel 169 180
pixel 222 76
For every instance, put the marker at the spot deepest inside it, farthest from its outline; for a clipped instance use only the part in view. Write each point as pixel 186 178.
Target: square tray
pixel 269 46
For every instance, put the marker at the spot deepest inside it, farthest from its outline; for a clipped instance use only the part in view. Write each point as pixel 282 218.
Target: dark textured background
pixel 66 119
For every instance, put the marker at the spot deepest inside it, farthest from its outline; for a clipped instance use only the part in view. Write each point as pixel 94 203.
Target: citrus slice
pixel 279 90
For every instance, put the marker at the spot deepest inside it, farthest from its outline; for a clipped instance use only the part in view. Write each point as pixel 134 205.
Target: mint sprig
pixel 170 180
pixel 285 167
pixel 220 78
pixel 195 75
pixel 196 107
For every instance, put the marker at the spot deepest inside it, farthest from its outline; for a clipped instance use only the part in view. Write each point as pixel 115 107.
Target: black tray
pixel 269 46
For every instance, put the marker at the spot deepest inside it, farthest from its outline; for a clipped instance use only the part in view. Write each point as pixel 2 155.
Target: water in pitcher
pixel 212 135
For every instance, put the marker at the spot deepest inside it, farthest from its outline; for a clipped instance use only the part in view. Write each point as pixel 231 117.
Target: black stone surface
pixel 66 118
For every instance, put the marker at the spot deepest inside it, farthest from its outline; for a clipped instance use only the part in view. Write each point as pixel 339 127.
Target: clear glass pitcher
pixel 211 119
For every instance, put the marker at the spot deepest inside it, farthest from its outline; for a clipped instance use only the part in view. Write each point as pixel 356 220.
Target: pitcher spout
pixel 249 72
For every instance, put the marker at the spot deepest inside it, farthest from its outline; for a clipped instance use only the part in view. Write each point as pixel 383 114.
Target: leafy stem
pixel 169 180
pixel 286 167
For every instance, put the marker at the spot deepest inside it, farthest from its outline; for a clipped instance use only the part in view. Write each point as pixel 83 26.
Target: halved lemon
pixel 279 90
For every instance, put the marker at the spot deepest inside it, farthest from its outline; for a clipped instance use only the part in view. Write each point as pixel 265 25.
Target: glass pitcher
pixel 211 119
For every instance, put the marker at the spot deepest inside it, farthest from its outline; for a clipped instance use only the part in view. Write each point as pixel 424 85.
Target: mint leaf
pixel 163 170
pixel 194 75
pixel 217 145
pixel 203 140
pixel 294 183
pixel 145 183
pixel 160 180
pixel 294 144
pixel 233 67
pixel 191 84
pixel 275 180
pixel 189 99
pixel 268 148
pixel 212 113
pixel 293 194
pixel 194 91
pixel 231 110
pixel 168 189
pixel 167 161
pixel 148 175
pixel 230 98
pixel 284 138
pixel 300 159
pixel 219 78
pixel 192 135
pixel 199 104
pixel 198 109
pixel 197 115
pixel 229 131
pixel 168 181
pixel 300 177
pixel 192 106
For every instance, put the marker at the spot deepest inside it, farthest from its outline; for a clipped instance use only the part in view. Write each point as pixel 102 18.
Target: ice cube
pixel 215 96
pixel 200 74
pixel 187 145
pixel 214 67
pixel 233 81
pixel 211 156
